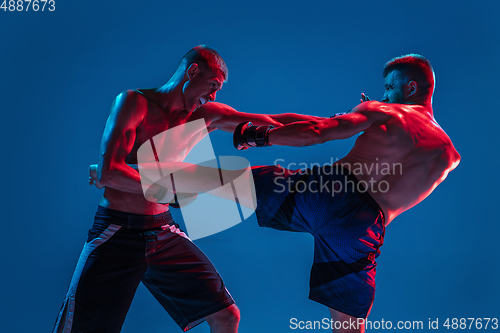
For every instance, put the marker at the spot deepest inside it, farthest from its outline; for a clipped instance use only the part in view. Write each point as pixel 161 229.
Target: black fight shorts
pixel 124 249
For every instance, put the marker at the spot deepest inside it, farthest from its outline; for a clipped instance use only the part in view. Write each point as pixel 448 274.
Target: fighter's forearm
pixel 287 118
pixel 297 134
pixel 124 179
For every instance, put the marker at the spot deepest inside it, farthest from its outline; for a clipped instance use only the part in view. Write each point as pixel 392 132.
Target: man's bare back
pixel 401 159
pixel 402 153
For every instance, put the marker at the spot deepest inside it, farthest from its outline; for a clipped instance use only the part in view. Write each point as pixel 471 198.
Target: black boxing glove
pixel 246 136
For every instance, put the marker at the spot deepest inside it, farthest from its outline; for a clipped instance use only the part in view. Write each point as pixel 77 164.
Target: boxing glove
pixel 246 135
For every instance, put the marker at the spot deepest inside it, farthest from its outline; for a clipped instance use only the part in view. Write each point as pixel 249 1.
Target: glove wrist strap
pixel 262 135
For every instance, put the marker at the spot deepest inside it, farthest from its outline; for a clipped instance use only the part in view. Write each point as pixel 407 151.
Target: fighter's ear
pixel 412 88
pixel 192 71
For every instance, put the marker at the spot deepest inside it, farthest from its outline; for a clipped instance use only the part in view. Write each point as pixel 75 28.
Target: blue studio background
pixel 61 70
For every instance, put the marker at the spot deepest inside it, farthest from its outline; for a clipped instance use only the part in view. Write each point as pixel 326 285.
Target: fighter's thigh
pixel 110 269
pixel 183 279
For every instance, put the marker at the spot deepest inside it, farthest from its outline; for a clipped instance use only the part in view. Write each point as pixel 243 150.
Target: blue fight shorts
pixel 123 249
pixel 347 225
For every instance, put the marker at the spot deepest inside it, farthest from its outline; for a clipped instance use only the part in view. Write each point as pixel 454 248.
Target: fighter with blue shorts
pixel 400 156
pixel 346 223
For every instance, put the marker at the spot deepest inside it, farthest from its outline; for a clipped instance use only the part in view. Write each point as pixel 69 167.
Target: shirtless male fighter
pixel 133 239
pixel 397 161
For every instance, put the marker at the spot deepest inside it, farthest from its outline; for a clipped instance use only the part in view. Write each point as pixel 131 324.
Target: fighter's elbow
pixel 106 176
pixel 104 179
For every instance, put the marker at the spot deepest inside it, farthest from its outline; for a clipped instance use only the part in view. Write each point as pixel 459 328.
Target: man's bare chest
pixel 167 138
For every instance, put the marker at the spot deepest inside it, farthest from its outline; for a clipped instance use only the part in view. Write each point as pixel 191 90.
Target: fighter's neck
pixel 419 100
pixel 169 97
pixel 421 105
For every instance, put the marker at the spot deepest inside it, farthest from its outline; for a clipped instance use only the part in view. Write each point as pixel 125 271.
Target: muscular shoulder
pixel 388 125
pixel 407 117
pixel 377 110
pixel 130 100
pixel 129 107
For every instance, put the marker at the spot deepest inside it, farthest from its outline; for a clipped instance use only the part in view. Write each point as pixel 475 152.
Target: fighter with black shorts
pixel 124 249
pixel 134 239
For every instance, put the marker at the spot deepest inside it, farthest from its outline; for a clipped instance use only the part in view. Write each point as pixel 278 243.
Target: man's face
pixel 202 88
pixel 395 85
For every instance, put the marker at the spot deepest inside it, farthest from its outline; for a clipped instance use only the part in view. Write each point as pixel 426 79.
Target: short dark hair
pixel 206 58
pixel 415 68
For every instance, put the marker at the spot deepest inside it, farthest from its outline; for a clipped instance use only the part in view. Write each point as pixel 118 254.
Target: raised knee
pixel 232 314
pixel 228 316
